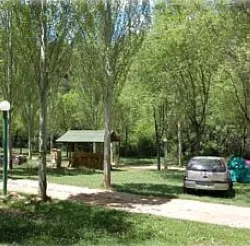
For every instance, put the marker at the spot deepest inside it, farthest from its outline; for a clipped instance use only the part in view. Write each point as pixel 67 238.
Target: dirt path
pixel 174 208
pixel 154 167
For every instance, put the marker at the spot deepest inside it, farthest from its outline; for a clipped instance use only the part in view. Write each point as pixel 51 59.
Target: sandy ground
pixel 228 215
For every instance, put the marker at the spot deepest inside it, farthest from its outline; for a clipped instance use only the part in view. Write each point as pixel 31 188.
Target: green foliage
pixel 193 59
pixel 68 104
pixel 194 63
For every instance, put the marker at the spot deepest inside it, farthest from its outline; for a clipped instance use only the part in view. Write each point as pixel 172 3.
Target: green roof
pixel 81 136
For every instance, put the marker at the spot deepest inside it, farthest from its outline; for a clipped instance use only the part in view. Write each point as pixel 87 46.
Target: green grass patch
pixel 27 221
pixel 138 181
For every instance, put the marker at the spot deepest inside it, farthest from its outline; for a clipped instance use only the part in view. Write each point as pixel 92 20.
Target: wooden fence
pixel 90 160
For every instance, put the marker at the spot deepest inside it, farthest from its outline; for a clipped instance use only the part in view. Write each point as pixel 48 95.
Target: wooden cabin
pixel 86 147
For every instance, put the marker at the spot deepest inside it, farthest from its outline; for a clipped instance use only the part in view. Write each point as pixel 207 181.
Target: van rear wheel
pixel 230 193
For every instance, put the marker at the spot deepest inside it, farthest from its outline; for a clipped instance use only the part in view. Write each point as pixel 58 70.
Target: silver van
pixel 208 173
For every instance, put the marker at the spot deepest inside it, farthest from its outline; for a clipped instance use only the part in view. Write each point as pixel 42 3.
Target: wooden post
pixel 59 158
pixel 94 147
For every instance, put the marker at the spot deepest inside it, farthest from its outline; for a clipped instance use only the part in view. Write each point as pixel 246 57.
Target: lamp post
pixel 5 107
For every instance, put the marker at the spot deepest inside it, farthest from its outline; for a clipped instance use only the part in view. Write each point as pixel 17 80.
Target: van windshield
pixel 206 165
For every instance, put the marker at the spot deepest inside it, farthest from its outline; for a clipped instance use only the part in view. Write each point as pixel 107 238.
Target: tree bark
pixel 179 143
pixel 43 93
pixel 165 146
pixel 42 150
pixel 158 142
pixel 198 141
pixel 244 139
pixel 126 140
pixel 10 82
pixel 29 140
pixel 107 137
pixel 118 154
pixel 158 146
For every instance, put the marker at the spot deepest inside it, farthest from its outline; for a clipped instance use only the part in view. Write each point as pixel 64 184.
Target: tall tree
pixel 10 88
pixel 45 48
pixel 43 88
pixel 110 35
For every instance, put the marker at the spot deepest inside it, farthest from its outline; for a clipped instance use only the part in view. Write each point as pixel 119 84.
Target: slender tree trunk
pixel 112 152
pixel 126 141
pixel 158 142
pixel 29 140
pixel 196 146
pixel 118 153
pixel 165 153
pixel 179 143
pixel 43 93
pixel 158 146
pixel 42 150
pixel 28 116
pixel 107 138
pixel 10 82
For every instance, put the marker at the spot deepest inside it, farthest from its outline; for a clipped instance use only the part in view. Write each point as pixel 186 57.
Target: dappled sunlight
pixel 59 223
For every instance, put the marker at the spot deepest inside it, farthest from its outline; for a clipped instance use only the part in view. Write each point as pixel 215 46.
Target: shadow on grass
pixel 119 199
pixel 147 189
pixel 61 223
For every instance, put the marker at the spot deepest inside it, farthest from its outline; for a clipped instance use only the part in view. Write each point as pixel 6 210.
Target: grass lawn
pixel 145 182
pixel 28 222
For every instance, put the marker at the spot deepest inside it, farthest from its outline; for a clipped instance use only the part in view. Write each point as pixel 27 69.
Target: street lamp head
pixel 4 106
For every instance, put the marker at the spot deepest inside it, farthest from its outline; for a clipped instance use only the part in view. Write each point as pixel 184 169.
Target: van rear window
pixel 206 165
